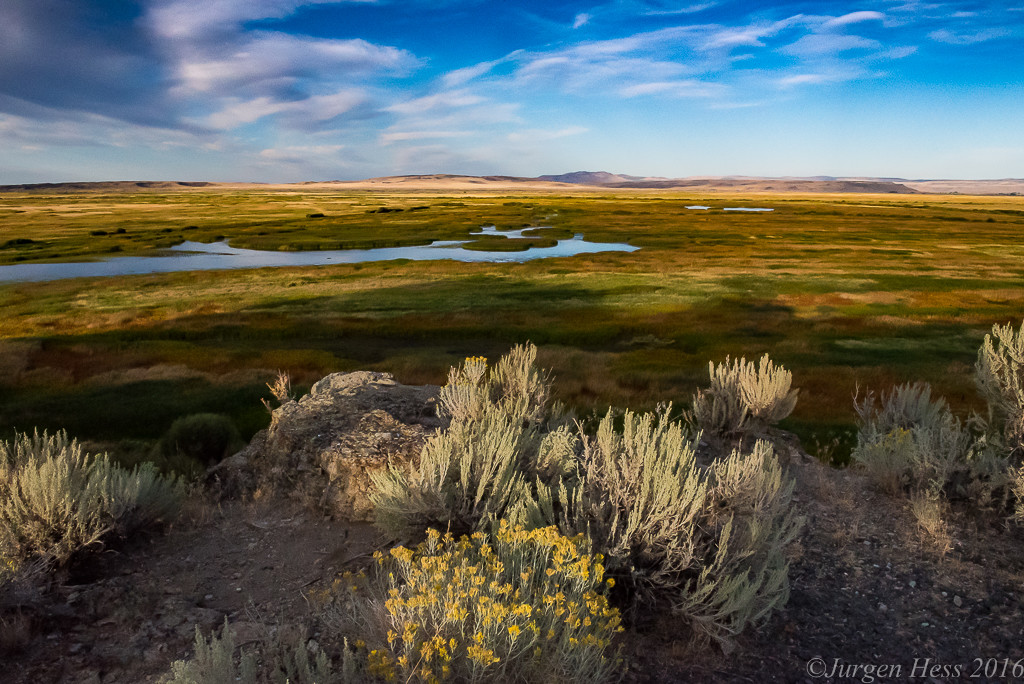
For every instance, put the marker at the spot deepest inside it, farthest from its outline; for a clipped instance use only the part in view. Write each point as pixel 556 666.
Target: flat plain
pixel 848 291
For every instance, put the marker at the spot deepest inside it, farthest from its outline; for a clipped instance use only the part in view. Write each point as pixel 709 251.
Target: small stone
pixel 90 677
pixel 957 601
pixel 170 621
pixel 924 624
pixel 913 584
pixel 208 597
pixel 882 607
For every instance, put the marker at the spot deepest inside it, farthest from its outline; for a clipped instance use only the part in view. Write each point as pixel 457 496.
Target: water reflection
pixel 198 256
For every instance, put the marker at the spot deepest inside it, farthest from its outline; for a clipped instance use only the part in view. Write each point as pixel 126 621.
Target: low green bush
pixel 197 441
pixel 56 500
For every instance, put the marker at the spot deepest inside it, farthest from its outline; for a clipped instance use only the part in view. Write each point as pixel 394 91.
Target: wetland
pixel 847 291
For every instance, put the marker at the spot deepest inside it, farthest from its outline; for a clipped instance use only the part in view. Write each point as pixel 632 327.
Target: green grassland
pixel 844 290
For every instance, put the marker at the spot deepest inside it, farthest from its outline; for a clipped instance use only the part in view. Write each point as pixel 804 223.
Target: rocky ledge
pixel 324 446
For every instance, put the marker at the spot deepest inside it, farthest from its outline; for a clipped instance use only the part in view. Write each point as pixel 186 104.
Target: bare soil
pixel 868 589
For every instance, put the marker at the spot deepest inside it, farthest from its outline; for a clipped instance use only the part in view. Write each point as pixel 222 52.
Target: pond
pixel 703 207
pixel 198 256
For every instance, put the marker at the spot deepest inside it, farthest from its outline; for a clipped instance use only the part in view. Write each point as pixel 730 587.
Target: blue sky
pixel 293 90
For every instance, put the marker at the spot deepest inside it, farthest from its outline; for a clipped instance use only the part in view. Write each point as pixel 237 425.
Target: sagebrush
pixel 999 374
pixel 909 441
pixel 709 540
pixel 501 437
pixel 271 660
pixel 743 400
pixel 56 500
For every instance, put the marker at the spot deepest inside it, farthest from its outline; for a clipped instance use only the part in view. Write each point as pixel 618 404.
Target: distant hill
pixel 106 186
pixel 596 178
pixel 578 181
pixel 748 183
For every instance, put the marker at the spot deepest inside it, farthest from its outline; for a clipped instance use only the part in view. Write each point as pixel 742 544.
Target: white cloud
pixel 685 88
pixel 192 19
pixel 968 38
pixel 805 79
pixel 318 108
pixel 458 77
pixel 540 135
pixel 239 76
pixel 582 19
pixel 271 61
pixel 898 52
pixel 853 18
pixel 816 44
pixel 403 136
pixel 443 100
pixel 301 153
pixel 690 9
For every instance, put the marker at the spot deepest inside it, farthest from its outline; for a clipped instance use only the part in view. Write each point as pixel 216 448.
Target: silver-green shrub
pixel 712 541
pixel 640 497
pixel 748 524
pixel 744 399
pixel 214 662
pixel 515 388
pixel 271 660
pixel 709 540
pixel 999 375
pixel 910 441
pixel 905 407
pixel 56 500
pixel 502 435
pixel 467 477
pixel 1017 480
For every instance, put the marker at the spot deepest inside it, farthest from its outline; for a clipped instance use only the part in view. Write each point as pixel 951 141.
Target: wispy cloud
pixel 536 135
pixel 968 38
pixel 817 44
pixel 299 113
pixel 445 100
pixel 405 136
pixel 684 88
pixel 853 18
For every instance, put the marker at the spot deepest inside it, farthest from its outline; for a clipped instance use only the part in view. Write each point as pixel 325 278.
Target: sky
pixel 308 90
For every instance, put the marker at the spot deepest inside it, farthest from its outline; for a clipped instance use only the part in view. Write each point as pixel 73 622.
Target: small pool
pixel 702 207
pixel 198 256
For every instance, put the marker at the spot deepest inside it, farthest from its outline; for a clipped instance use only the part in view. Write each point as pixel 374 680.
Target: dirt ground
pixel 872 597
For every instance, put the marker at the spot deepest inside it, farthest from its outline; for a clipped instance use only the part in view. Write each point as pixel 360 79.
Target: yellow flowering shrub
pixel 516 606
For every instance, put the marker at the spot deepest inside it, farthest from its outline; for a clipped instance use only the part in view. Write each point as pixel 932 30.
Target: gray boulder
pixel 324 446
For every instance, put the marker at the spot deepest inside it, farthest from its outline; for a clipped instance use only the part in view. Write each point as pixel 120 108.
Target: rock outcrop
pixel 324 446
